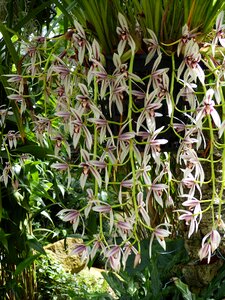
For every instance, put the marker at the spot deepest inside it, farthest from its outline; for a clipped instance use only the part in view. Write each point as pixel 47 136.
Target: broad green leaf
pixel 26 263
pixel 187 295
pixel 37 151
pixel 3 239
pixel 34 244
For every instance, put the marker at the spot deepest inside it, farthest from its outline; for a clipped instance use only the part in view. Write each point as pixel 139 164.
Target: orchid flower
pixel 97 245
pixel 117 95
pixel 105 209
pixel 125 227
pixel 160 234
pixel 191 60
pixel 220 32
pixel 186 37
pixel 71 215
pixel 18 98
pixel 77 126
pixel 63 167
pixel 90 165
pixel 4 112
pixel 6 173
pixel 123 145
pixel 80 41
pixel 125 37
pixel 153 46
pixel 210 246
pixel 127 250
pixel 208 109
pixel 142 210
pixel 43 125
pixel 12 138
pixel 189 182
pixel 149 114
pixel 103 126
pixel 82 250
pixel 153 143
pixel 193 216
pixel 113 256
pixel 157 190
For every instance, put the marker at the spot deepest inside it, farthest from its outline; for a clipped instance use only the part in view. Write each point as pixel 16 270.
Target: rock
pixel 60 252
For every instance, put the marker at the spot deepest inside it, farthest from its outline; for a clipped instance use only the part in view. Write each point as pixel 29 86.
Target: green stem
pixel 131 152
pixel 223 160
pixel 213 177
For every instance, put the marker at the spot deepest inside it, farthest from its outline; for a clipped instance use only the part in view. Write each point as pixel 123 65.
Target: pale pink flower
pixel 192 219
pixel 113 256
pixel 19 99
pixel 157 190
pixel 186 36
pixel 208 109
pixel 192 163
pixel 220 32
pixel 105 209
pixel 125 37
pixel 71 215
pixel 189 182
pixel 153 144
pixel 208 247
pixel 190 65
pixel 12 138
pixel 142 210
pixel 127 250
pixel 77 127
pixel 80 41
pixel 153 46
pixel 160 234
pixel 125 227
pixel 82 250
pixel 92 166
pixel 6 173
pixel 4 112
pixel 63 167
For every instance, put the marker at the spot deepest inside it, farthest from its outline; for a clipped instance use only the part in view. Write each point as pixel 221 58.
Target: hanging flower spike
pixel 125 37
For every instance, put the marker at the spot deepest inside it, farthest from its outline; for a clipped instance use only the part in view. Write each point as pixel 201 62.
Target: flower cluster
pixel 144 140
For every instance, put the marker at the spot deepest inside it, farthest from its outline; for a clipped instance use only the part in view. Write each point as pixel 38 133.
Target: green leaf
pixel 25 264
pixel 34 244
pixel 37 151
pixel 3 239
pixel 9 43
pixel 187 295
